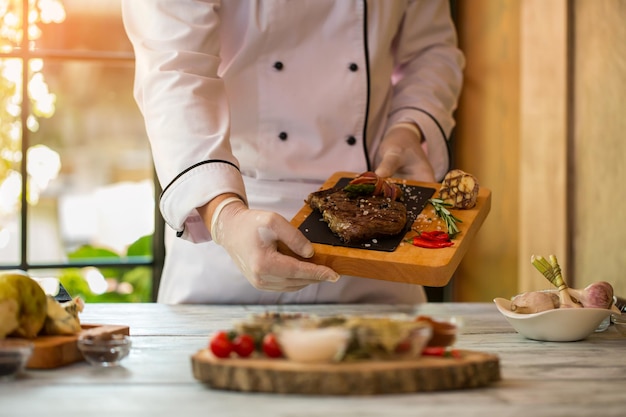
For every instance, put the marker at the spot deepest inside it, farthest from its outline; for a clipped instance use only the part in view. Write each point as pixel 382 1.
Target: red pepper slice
pixel 436 235
pixel 430 244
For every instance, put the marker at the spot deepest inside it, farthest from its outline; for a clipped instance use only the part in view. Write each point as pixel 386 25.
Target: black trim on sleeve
pixel 367 76
pixel 195 166
pixel 179 233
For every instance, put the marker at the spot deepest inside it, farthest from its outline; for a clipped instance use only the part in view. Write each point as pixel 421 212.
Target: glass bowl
pixel 314 345
pixel 105 351
pixel 14 354
pixel 619 321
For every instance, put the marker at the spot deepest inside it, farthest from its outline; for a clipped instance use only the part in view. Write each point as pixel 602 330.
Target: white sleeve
pixel 428 76
pixel 183 102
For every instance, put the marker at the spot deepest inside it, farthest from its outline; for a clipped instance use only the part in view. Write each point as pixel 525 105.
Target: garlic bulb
pixel 596 295
pixel 534 302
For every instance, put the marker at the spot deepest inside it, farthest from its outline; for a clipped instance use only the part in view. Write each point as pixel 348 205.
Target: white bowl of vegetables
pixel 556 325
pixel 560 315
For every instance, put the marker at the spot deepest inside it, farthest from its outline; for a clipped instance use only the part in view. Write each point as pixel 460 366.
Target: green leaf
pixel 91 252
pixel 141 247
pixel 354 190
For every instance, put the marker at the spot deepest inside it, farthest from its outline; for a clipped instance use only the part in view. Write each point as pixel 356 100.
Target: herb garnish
pixel 441 208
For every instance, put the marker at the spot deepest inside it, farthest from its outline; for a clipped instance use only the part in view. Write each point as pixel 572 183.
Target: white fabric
pixel 215 104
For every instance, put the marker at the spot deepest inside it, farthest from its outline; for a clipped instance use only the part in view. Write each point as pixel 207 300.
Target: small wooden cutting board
pixel 407 263
pixel 427 373
pixel 55 351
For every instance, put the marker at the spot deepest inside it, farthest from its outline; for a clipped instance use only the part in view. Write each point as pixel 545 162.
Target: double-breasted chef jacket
pixel 267 99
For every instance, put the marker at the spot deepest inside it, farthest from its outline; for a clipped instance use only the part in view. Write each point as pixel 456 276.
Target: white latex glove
pixel 250 237
pixel 401 155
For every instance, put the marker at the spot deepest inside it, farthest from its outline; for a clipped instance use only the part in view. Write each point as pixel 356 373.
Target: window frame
pixel 25 54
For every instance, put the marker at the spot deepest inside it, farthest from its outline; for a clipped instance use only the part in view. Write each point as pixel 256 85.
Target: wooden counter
pixel 543 379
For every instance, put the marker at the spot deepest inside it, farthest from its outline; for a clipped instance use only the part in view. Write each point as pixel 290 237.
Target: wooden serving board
pixel 428 373
pixel 55 351
pixel 407 263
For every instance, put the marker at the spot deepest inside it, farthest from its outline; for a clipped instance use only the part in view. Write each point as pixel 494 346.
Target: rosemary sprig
pixel 441 208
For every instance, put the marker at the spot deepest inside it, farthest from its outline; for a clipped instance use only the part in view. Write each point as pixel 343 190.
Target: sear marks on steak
pixel 358 218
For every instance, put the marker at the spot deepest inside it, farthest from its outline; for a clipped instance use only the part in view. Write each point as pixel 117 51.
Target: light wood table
pixel 586 378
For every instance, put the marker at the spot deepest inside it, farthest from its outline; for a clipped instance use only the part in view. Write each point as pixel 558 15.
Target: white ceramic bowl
pixel 558 325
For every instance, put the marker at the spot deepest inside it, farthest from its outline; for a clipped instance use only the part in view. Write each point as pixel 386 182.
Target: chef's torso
pixel 297 90
pixel 300 98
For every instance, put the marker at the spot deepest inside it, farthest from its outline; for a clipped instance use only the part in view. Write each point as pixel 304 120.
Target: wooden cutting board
pixel 428 373
pixel 407 263
pixel 55 351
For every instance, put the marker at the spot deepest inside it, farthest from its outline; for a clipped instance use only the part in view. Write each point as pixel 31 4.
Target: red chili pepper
pixel 436 235
pixel 433 351
pixel 431 244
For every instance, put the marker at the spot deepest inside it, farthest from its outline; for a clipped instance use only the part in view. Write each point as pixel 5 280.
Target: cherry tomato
pixel 243 345
pixel 270 345
pixel 220 344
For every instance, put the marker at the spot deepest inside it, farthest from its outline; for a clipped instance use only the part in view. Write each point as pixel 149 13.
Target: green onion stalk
pixel 552 271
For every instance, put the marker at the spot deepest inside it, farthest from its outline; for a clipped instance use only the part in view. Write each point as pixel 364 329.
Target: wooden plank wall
pixel 541 123
pixel 487 143
pixel 543 138
pixel 599 143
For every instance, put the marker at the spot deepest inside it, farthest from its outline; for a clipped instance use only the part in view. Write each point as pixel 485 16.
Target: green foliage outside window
pixel 126 284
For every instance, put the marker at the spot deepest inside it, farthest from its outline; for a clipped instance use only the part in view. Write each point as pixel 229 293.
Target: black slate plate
pixel 317 231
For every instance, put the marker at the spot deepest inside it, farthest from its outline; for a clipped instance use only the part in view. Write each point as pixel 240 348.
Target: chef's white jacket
pixel 267 99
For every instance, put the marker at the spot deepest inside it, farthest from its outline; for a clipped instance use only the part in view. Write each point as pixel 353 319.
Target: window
pixel 77 186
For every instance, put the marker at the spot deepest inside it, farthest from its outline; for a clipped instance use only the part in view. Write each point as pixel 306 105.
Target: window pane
pixel 80 25
pixel 10 24
pixel 90 171
pixel 103 285
pixel 10 160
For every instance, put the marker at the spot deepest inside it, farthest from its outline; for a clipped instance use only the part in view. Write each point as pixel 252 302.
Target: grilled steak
pixel 359 218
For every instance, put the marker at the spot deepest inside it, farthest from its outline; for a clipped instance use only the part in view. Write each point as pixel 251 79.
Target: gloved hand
pixel 250 237
pixel 401 155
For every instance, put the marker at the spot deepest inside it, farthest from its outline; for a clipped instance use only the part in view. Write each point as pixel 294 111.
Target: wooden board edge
pixel 478 369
